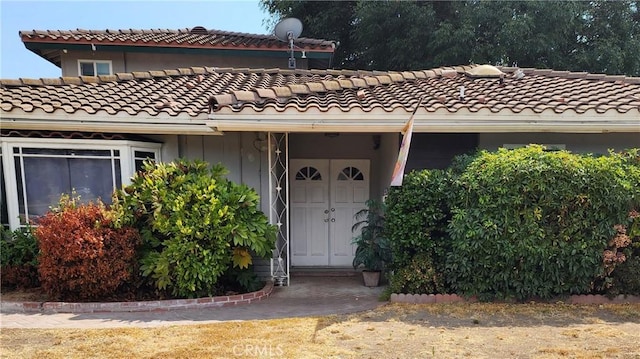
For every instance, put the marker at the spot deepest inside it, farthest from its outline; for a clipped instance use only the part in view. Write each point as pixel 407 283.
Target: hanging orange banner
pixel 407 130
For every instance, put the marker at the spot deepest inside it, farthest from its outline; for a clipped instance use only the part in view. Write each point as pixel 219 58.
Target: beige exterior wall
pixel 579 143
pixel 129 62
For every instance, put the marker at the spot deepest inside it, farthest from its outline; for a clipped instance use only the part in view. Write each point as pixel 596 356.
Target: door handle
pixel 333 219
pixel 333 209
pixel 326 211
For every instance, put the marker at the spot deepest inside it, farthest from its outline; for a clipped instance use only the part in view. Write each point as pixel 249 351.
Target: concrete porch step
pixel 324 272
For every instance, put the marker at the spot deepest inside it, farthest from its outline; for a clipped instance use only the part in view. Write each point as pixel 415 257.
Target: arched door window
pixel 350 173
pixel 308 174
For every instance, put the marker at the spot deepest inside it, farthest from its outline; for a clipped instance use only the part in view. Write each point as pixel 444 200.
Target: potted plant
pixel 372 250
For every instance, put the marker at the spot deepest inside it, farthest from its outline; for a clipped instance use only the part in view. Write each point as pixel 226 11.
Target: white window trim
pixel 127 162
pixel 95 69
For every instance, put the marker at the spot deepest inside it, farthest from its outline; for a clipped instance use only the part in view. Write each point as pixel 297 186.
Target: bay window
pixel 37 172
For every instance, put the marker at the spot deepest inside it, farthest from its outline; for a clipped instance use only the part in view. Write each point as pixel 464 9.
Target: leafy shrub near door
pixel 532 223
pixel 195 224
pixel 82 256
pixel 419 277
pixel 417 218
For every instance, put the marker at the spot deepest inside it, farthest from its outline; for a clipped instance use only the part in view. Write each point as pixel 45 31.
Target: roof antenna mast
pixel 288 30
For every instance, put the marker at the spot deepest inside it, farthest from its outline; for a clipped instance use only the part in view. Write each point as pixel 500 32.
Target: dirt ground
pixel 473 330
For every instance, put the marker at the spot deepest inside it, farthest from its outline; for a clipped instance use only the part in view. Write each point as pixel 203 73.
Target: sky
pixel 18 62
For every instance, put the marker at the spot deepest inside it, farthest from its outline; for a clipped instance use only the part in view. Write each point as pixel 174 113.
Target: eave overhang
pixel 39 120
pixel 358 121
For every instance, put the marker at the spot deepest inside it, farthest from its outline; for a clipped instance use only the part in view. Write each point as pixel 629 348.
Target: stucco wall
pixel 135 61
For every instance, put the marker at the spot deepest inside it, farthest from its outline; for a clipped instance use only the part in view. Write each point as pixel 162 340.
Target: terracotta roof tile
pixel 171 38
pixel 282 91
pixel 315 87
pixel 245 95
pixel 187 92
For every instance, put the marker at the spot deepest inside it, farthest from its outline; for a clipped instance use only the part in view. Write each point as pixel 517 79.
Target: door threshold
pixel 323 271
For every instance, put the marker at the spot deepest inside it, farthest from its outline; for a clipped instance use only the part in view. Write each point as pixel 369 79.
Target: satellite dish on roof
pixel 288 30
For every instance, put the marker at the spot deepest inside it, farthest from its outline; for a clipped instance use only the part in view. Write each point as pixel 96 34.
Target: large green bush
pixel 417 216
pixel 531 223
pixel 195 223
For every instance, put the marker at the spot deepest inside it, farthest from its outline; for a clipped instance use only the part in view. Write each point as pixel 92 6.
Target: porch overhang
pixel 434 123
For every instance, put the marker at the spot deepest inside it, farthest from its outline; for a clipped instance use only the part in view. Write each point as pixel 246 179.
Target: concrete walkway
pixel 307 296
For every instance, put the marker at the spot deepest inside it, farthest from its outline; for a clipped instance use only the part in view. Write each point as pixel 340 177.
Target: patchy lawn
pixel 474 330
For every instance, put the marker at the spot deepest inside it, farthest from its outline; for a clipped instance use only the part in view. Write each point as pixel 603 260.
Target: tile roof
pixel 197 37
pixel 190 93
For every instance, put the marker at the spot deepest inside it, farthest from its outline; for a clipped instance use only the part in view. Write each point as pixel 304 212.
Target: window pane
pixel 141 156
pixel 118 175
pixel 86 69
pixel 20 187
pixel 91 178
pixel 103 68
pixel 3 196
pixel 45 180
pixel 145 154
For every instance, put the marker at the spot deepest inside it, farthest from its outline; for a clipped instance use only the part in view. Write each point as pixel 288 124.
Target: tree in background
pixel 596 36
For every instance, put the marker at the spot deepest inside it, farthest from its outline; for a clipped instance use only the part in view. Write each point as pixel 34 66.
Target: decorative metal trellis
pixel 278 144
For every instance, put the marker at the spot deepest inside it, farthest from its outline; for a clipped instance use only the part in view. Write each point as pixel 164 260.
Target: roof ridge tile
pixel 282 91
pixel 32 82
pixel 141 74
pixel 185 71
pixel 156 73
pixel 299 89
pixel 124 76
pixel 108 78
pixel 345 83
pixel 396 77
pixel 69 80
pixel 372 81
pixel 384 79
pixel 316 86
pixel 88 79
pixel 331 85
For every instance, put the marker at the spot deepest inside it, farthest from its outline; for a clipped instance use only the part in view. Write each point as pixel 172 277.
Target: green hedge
pixel 416 224
pixel 517 224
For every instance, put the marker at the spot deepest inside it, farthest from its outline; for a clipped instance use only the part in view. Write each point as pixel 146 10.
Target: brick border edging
pixel 143 306
pixel 454 298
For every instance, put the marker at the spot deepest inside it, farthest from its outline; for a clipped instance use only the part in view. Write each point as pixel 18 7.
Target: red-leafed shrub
pixel 82 257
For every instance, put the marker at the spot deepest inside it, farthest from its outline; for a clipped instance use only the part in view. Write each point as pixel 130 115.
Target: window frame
pixel 95 68
pixel 8 144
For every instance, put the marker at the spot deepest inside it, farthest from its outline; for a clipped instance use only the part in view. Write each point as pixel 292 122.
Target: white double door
pixel 325 195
